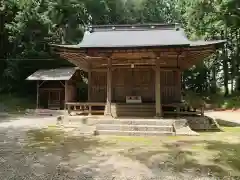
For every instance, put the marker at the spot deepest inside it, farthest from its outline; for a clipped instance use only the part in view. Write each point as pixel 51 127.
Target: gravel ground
pixel 29 152
pixel 231 116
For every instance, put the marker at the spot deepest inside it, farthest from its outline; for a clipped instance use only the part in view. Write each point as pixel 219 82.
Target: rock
pixel 60 119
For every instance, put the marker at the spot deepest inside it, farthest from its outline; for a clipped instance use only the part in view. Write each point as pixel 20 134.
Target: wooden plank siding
pixel 170 86
pixel 98 86
pixel 136 81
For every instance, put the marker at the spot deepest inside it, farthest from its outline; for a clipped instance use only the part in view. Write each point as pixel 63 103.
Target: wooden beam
pixel 99 70
pixel 40 84
pixel 66 94
pixel 104 69
pixel 89 85
pixel 37 95
pixel 63 84
pixel 77 61
pixel 51 89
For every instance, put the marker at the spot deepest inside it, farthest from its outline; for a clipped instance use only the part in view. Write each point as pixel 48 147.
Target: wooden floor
pixel 130 110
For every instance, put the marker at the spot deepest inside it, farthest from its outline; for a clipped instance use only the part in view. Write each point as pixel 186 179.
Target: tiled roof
pixel 147 35
pixel 53 74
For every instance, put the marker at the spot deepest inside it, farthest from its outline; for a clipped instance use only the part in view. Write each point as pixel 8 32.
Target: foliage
pixel 30 25
pixel 193 99
pixel 16 103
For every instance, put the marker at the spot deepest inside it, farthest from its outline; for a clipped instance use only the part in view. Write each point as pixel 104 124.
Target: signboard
pixel 133 99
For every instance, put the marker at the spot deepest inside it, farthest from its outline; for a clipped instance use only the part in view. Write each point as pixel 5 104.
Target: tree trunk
pixel 225 67
pixel 237 75
pixel 214 81
pixel 233 64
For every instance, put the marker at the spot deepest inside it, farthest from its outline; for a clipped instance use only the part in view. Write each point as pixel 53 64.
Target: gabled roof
pixel 63 74
pixel 147 35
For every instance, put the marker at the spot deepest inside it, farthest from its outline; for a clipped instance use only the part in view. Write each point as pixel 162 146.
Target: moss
pixel 231 129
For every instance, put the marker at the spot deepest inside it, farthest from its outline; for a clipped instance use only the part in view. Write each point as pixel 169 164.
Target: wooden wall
pixel 170 86
pixel 136 81
pixel 71 92
pixel 98 87
pixel 133 82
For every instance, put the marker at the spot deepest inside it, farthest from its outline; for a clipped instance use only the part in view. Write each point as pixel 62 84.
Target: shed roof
pixel 53 74
pixel 147 35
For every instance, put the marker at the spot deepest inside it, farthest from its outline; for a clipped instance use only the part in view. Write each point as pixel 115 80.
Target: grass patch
pixel 45 138
pixel 213 154
pixel 15 103
pixel 53 139
pixel 231 130
pixel 132 139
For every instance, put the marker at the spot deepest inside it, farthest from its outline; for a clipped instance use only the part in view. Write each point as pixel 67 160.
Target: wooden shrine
pixel 138 63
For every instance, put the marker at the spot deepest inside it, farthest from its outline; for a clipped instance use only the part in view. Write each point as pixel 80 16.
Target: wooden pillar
pixel 109 88
pixel 66 94
pixel 158 91
pixel 37 103
pixel 89 85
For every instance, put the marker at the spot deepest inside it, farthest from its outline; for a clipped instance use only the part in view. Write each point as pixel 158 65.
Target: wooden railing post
pixel 37 103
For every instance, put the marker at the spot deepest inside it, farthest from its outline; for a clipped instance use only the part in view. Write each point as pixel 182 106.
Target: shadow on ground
pixel 203 157
pixel 71 156
pixel 55 139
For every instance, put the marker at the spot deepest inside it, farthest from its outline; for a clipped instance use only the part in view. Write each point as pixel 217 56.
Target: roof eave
pixel 119 47
pixel 217 43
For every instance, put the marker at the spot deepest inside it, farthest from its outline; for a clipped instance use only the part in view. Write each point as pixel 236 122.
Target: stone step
pixel 132 121
pixel 134 133
pixel 121 127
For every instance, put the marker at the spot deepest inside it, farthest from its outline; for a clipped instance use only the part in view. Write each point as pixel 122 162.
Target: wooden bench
pixel 84 108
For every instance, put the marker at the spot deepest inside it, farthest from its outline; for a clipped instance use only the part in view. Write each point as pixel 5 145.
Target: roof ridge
pixel 132 27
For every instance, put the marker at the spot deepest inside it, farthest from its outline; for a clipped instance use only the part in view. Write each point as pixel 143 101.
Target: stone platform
pixel 130 126
pixel 134 126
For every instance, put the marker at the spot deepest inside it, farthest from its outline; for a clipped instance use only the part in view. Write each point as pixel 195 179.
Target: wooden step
pixel 135 114
pixel 134 133
pixel 134 110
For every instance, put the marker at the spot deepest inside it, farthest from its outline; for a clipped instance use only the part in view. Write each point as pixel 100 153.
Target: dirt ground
pixel 35 148
pixel 227 115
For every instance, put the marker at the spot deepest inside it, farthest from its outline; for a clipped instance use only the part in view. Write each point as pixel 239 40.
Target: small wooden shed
pixel 55 87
